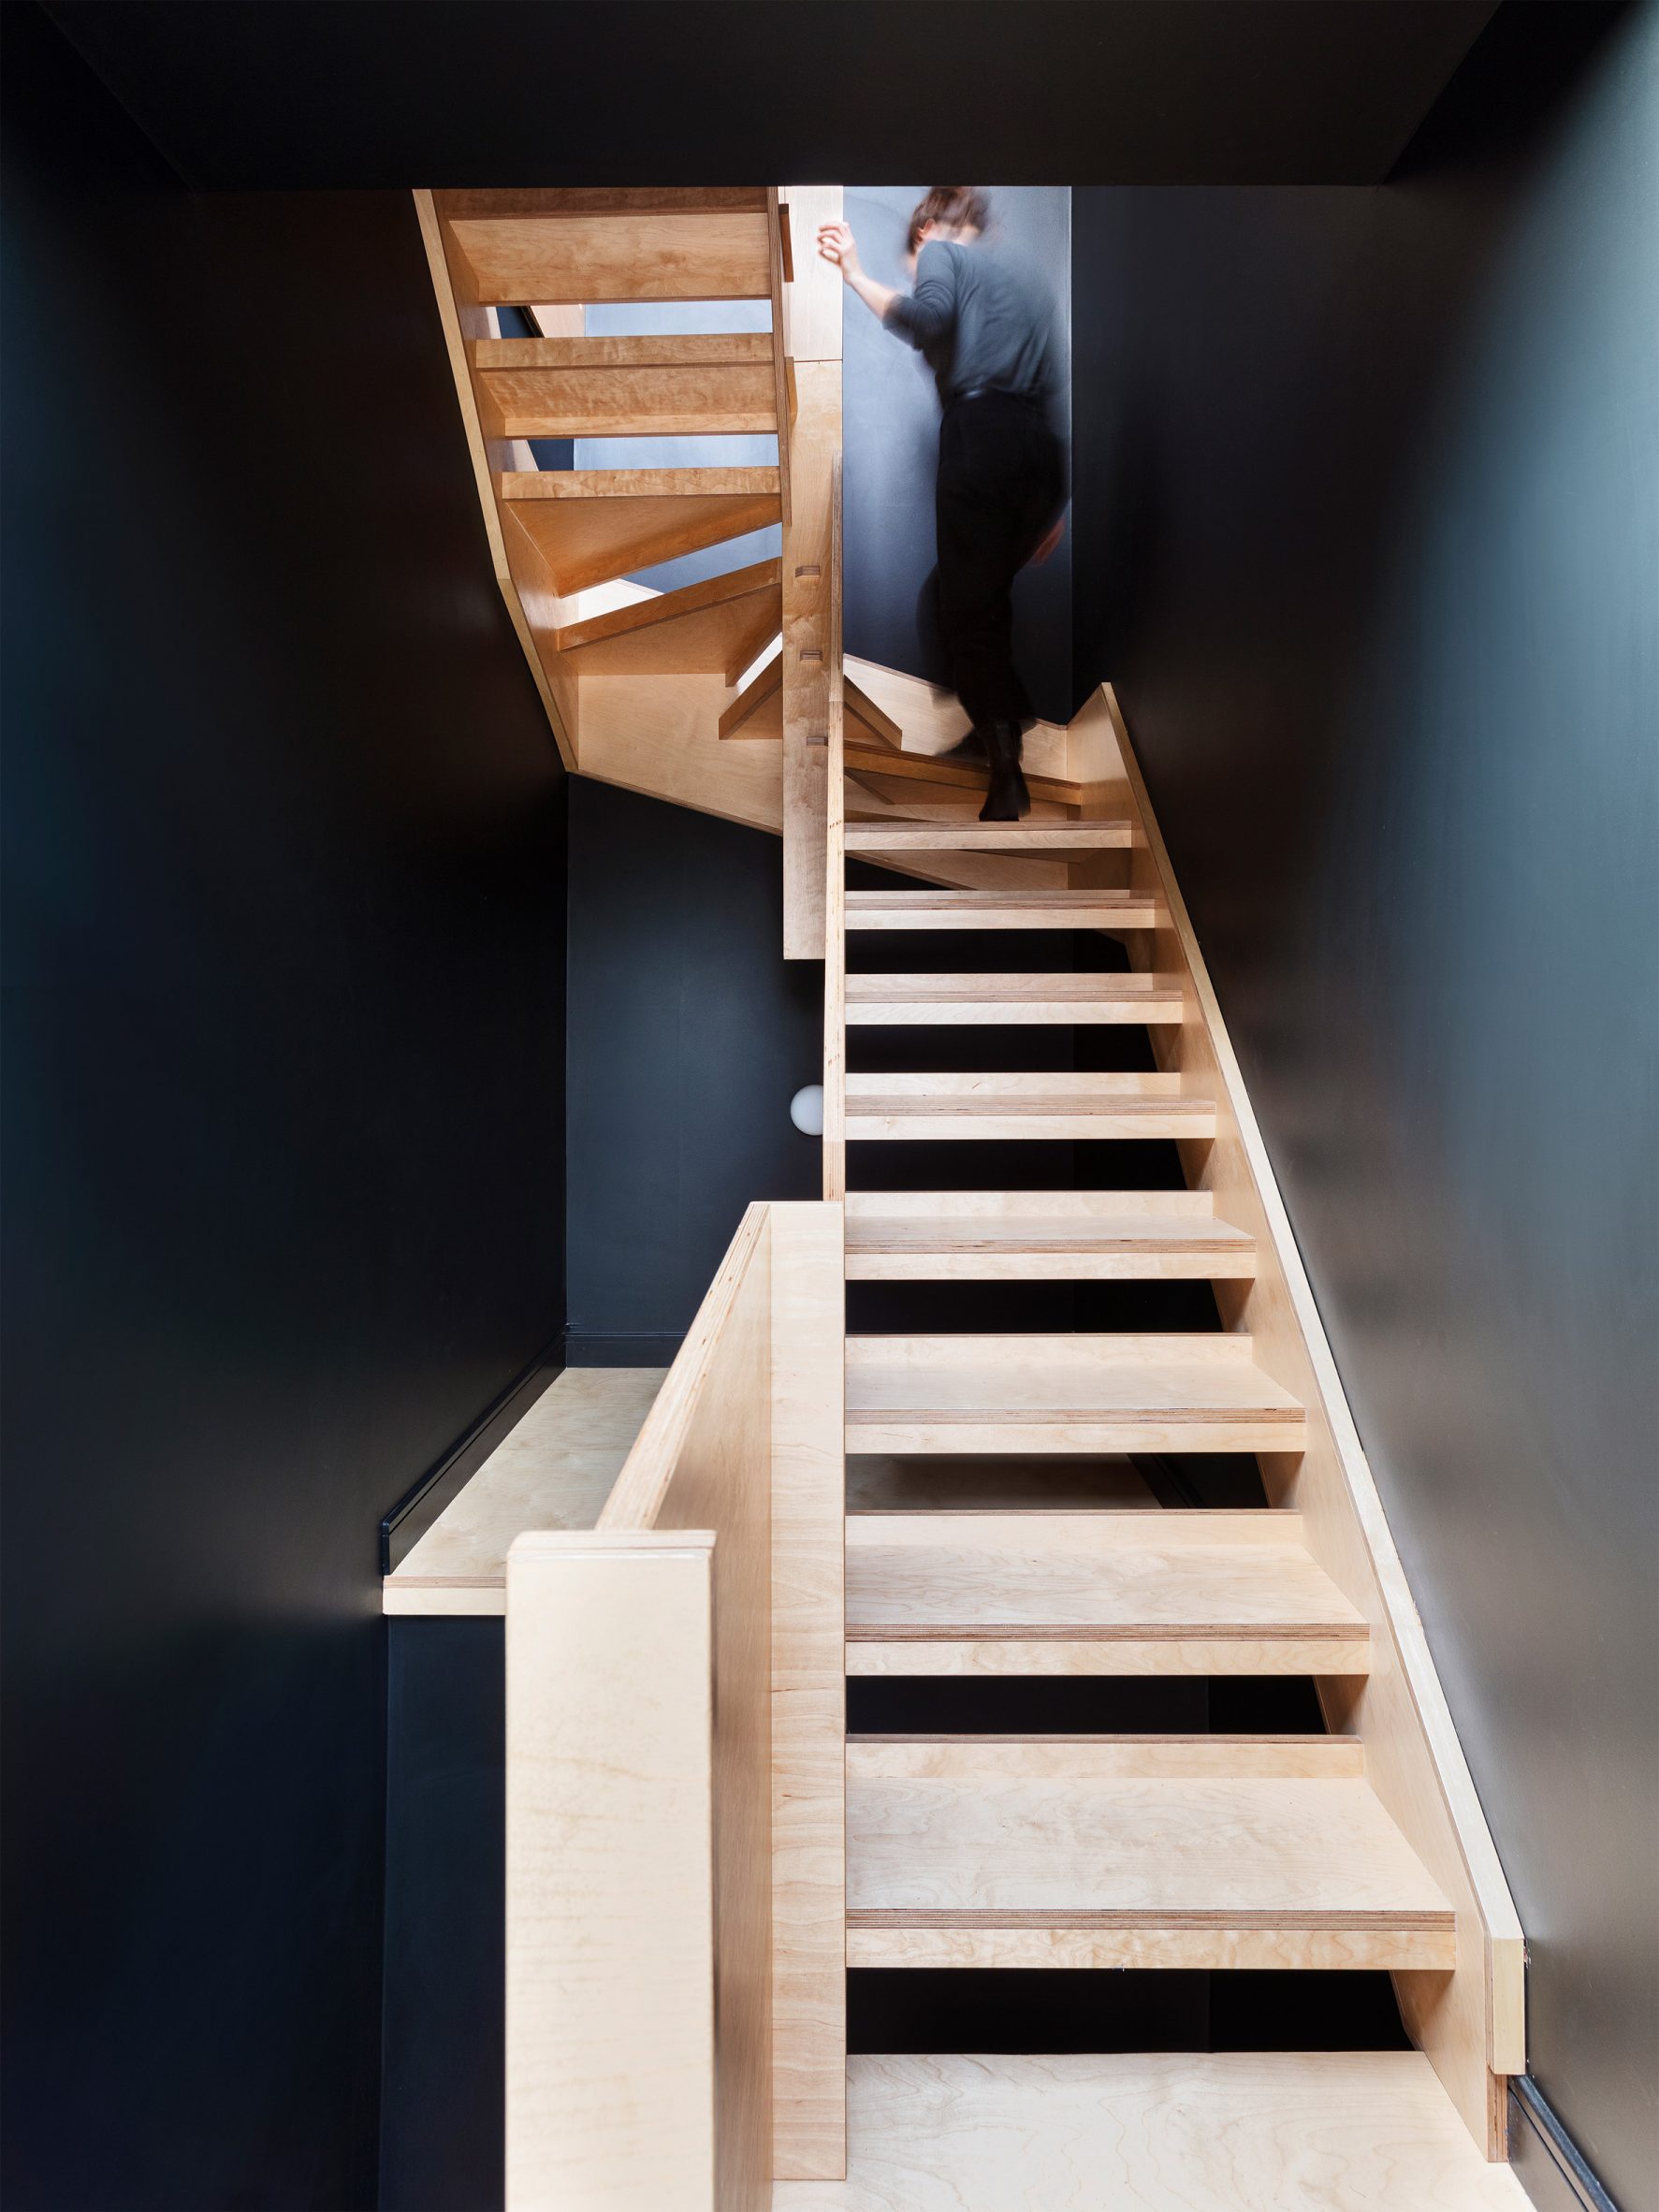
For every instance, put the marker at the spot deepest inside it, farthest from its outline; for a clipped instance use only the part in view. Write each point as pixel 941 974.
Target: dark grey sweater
pixel 981 317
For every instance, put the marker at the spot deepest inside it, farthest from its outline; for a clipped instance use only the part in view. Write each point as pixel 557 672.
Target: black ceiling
pixel 361 92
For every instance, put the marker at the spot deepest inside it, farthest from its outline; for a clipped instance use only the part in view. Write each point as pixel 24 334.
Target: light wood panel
pixel 911 1001
pixel 1233 2131
pixel 704 1460
pixel 655 254
pixel 1471 2025
pixel 717 626
pixel 1202 1852
pixel 1016 1107
pixel 813 302
pixel 610 522
pixel 554 1470
pixel 809 1787
pixel 610 1936
pixel 660 735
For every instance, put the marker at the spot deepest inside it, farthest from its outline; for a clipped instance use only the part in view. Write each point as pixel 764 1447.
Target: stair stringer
pixel 1470 2023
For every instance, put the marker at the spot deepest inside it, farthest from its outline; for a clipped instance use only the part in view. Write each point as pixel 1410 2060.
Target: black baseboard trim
pixel 1548 2163
pixel 417 1509
pixel 621 1352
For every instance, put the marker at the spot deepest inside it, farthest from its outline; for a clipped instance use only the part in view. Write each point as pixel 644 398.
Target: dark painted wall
pixel 688 1035
pixel 284 966
pixel 1366 487
pixel 443 2083
pixel 891 450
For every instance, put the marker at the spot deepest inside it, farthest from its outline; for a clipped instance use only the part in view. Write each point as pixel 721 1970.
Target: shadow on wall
pixel 892 445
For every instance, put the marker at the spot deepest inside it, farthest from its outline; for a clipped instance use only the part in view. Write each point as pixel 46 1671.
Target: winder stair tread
pixel 1094 1593
pixel 718 626
pixel 1167 1852
pixel 592 525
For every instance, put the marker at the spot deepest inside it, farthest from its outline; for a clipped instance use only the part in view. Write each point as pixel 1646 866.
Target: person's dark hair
pixel 954 207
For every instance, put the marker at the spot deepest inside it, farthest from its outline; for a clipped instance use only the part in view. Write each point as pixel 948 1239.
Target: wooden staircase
pixel 1362 1847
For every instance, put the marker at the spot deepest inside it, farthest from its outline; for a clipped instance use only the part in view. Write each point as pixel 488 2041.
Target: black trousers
pixel 1001 483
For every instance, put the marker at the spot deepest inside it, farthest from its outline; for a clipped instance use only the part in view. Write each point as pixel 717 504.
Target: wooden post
pixel 808 1697
pixel 812 309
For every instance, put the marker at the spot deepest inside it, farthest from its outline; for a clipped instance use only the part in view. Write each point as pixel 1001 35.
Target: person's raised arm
pixel 836 244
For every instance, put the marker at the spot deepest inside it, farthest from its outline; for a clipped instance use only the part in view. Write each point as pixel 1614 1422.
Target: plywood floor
pixel 1365 2132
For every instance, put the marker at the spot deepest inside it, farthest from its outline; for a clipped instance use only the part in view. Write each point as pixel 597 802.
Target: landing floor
pixel 1364 2131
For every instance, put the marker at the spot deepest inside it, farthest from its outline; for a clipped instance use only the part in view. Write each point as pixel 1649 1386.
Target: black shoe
pixel 1008 799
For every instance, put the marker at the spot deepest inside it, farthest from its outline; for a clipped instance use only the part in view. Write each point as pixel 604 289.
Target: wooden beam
pixel 739 718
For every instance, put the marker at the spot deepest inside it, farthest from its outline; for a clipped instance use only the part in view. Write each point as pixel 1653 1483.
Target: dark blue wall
pixel 688 1035
pixel 283 970
pixel 1366 495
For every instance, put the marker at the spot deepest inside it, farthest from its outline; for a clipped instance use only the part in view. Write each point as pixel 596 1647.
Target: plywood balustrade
pixel 673 1720
pixel 1470 2021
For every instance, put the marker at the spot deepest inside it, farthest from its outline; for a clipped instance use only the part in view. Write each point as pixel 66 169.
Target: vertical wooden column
pixel 611 2030
pixel 808 1697
pixel 812 325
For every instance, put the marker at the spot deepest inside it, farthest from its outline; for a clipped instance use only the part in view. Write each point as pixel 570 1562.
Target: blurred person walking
pixel 985 321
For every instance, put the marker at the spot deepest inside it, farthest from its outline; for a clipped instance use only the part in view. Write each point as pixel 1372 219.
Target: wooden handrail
pixel 675 1771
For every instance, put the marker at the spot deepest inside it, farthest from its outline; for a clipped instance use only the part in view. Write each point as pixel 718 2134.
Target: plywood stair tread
pixel 1100 1393
pixel 864 757
pixel 637 484
pixel 521 254
pixel 1065 1105
pixel 1222 2131
pixel 926 1000
pixel 1101 1592
pixel 1030 1245
pixel 718 626
pixel 1004 910
pixel 622 387
pixel 971 836
pixel 1199 1852
pixel 617 521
